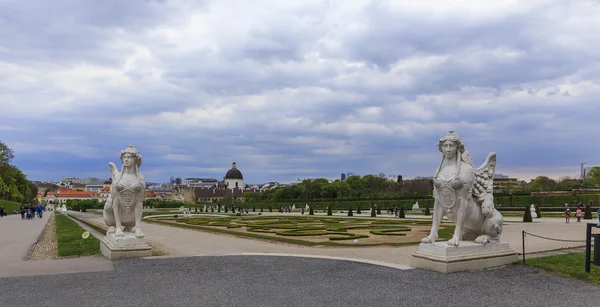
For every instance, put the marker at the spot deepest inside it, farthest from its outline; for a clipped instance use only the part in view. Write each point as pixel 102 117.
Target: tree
pixel 588 211
pixel 538 211
pixel 527 217
pixel 6 154
pixel 592 177
pixel 358 209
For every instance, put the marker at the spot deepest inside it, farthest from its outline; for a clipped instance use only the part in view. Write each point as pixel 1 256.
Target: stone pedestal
pixel 127 246
pixel 468 256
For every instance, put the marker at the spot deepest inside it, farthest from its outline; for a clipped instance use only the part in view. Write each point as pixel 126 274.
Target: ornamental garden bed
pixel 316 231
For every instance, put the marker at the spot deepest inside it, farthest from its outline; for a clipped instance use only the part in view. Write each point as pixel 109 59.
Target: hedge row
pixel 9 206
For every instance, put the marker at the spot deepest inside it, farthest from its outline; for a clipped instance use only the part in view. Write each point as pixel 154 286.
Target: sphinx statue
pixel 123 208
pixel 464 195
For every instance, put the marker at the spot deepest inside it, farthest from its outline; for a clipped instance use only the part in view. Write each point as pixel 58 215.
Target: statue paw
pixel 453 242
pixel 139 233
pixel 428 240
pixel 119 233
pixel 483 239
pixel 111 229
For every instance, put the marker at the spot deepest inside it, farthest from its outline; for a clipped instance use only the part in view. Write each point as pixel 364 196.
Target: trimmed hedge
pixel 390 232
pixel 9 206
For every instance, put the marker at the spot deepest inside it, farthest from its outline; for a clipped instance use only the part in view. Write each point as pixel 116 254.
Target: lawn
pixel 567 265
pixel 316 230
pixel 69 240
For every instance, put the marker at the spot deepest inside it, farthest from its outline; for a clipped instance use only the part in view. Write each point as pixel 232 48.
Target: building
pixel 234 179
pixel 96 186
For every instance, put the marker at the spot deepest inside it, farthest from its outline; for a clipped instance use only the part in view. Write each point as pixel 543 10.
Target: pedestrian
pixel 567 216
pixel 578 215
pixel 1 211
pixel 598 213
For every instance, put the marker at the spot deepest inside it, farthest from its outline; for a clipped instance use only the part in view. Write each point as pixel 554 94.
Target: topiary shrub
pixel 588 212
pixel 270 208
pixel 212 209
pixel 226 209
pixel 401 214
pixel 350 212
pixel 261 209
pixel 311 212
pixel 373 212
pixel 219 208
pixel 538 212
pixel 358 210
pixel 378 209
pixel 329 210
pixel 253 208
pixel 427 211
pixel 527 217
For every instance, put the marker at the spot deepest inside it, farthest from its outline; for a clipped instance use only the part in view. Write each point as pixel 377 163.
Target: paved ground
pixel 17 238
pixel 184 242
pixel 285 281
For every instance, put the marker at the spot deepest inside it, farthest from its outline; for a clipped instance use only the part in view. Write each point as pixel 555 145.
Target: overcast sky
pixel 293 89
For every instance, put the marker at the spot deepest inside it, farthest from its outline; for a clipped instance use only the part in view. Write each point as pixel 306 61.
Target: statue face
pixel 449 149
pixel 128 160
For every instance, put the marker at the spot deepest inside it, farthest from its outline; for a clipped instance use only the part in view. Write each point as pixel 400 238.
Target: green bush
pixel 527 217
pixel 373 212
pixel 350 212
pixel 538 211
pixel 588 212
pixel 302 232
pixel 358 210
pixel 390 232
pixel 329 212
pixel 311 212
pixel 401 214
pixel 378 209
pixel 9 206
pixel 253 208
pixel 427 211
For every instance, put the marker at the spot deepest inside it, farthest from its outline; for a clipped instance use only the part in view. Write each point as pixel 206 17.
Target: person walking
pixel 567 216
pixel 578 215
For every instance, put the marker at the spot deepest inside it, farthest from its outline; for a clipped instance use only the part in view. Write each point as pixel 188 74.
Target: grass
pixel 567 265
pixel 69 241
pixel 291 229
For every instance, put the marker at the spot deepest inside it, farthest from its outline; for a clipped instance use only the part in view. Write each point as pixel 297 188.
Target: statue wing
pixel 113 170
pixel 484 179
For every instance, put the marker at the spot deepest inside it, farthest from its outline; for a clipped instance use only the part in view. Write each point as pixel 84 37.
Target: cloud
pixel 298 89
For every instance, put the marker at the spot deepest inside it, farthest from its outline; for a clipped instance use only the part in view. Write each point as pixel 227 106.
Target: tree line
pixel 14 185
pixel 379 187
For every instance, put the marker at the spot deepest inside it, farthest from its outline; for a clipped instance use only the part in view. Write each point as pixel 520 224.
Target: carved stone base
pixel 127 246
pixel 468 256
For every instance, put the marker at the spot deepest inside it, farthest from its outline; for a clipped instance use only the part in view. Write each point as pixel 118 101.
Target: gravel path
pixel 45 247
pixel 283 281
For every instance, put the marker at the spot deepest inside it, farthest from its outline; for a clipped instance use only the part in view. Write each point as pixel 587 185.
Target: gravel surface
pixel 45 247
pixel 284 281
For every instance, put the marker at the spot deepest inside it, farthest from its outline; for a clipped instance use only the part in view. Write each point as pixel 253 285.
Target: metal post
pixel 588 246
pixel 523 239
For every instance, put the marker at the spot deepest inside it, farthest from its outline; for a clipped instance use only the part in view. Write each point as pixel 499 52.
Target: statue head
pixel 130 157
pixel 450 145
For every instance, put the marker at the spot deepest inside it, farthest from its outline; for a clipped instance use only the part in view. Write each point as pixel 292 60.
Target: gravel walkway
pixel 284 281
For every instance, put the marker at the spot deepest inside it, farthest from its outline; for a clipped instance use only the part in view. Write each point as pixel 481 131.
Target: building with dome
pixel 234 179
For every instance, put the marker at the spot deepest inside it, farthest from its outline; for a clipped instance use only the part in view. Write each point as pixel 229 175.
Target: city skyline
pixel 298 88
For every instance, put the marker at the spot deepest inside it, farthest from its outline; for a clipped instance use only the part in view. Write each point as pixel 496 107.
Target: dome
pixel 234 173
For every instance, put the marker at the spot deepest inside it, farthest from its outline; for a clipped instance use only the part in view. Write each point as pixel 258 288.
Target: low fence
pixel 525 233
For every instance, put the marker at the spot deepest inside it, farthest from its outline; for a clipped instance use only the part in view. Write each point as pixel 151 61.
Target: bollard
pixel 596 249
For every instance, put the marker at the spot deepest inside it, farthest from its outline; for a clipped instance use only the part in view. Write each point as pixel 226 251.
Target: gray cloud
pixel 297 89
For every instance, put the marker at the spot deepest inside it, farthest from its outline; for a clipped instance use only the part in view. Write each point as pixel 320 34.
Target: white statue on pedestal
pixel 415 206
pixel 63 208
pixel 533 214
pixel 123 208
pixel 464 195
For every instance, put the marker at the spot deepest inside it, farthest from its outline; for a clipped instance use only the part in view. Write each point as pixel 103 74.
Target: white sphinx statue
pixel 465 195
pixel 123 208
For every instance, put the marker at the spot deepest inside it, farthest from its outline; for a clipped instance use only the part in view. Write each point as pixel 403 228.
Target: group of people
pixel 578 213
pixel 31 211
